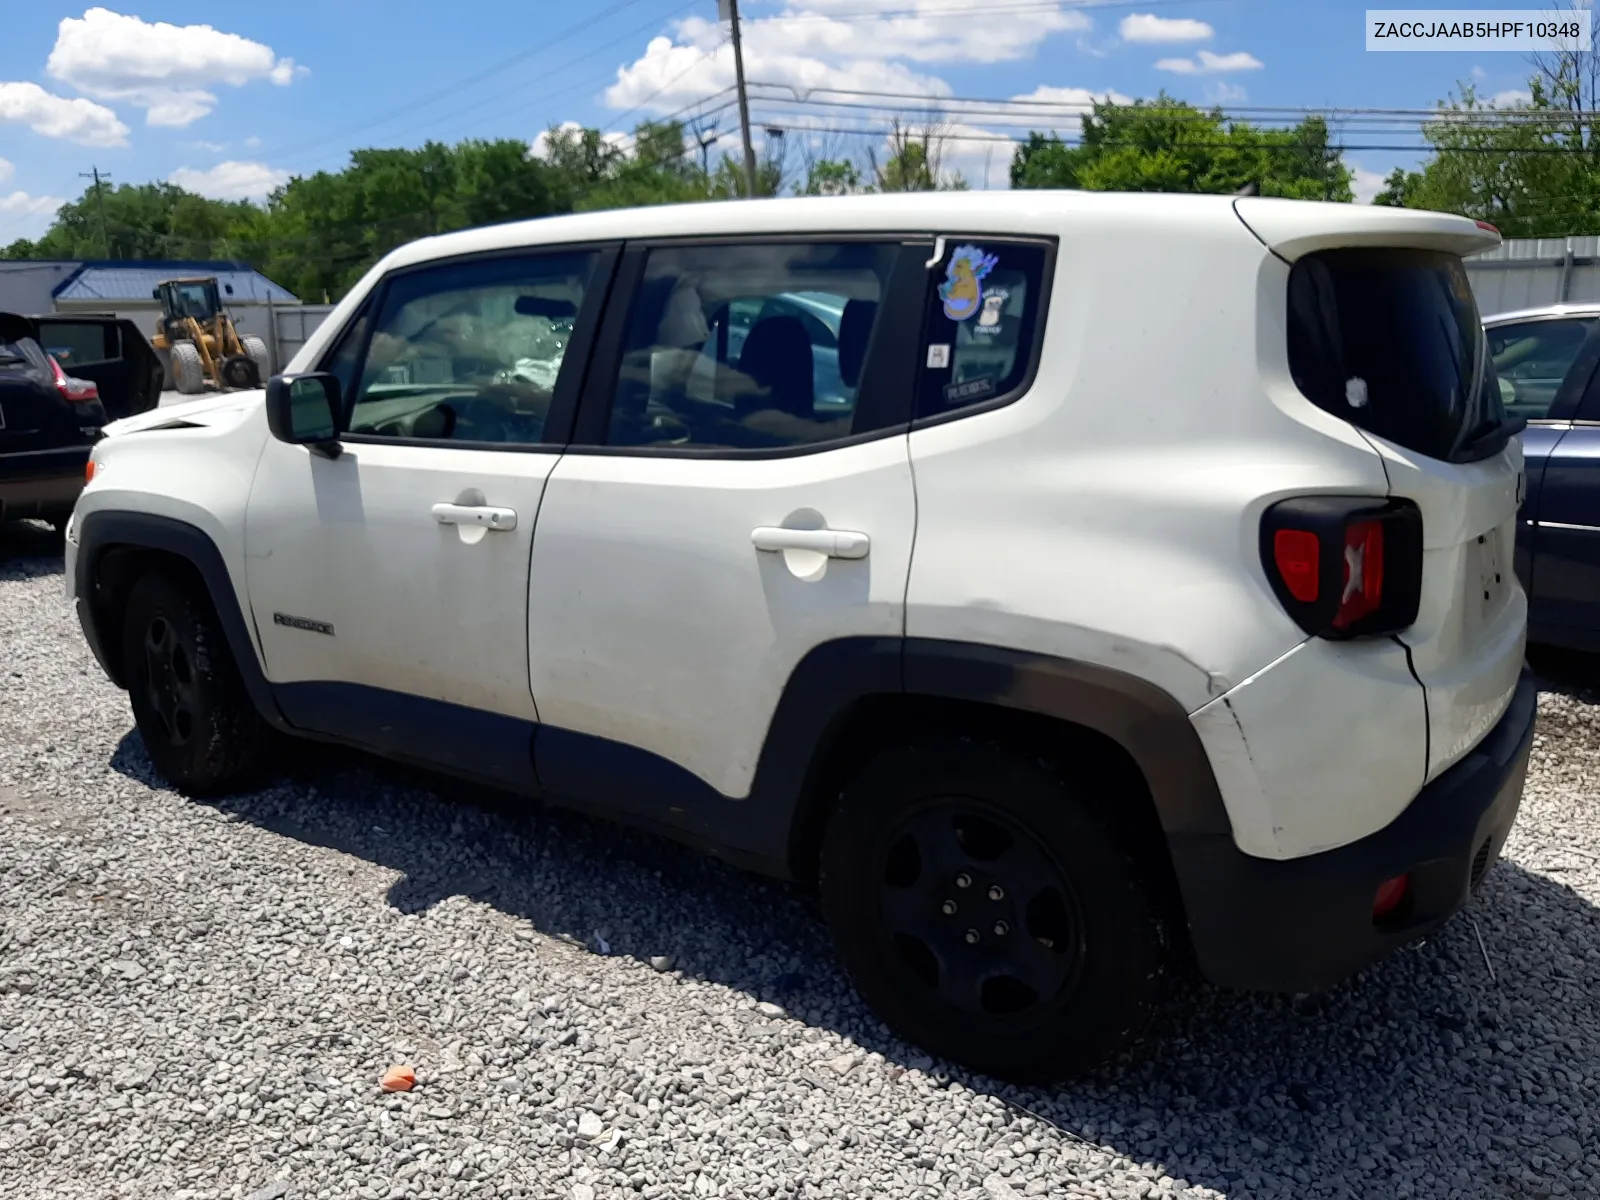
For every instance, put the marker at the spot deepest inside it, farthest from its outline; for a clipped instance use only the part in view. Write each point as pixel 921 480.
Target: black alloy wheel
pixel 987 913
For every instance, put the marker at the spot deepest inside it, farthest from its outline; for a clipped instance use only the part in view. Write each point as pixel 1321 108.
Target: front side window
pixel 471 351
pixel 983 319
pixel 748 347
pixel 1532 358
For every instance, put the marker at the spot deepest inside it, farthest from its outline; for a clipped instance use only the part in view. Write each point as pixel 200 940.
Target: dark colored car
pixel 1547 360
pixel 49 421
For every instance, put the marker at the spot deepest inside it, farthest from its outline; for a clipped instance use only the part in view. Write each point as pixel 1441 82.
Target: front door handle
pixel 492 519
pixel 835 543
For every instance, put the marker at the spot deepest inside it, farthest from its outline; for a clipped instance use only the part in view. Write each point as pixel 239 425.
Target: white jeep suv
pixel 1059 581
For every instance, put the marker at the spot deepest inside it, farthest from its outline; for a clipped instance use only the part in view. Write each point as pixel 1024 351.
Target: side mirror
pixel 304 410
pixel 155 293
pixel 228 287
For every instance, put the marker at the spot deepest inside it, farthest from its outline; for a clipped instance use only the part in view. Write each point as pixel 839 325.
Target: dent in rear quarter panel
pixel 1296 742
pixel 1112 515
pixel 198 475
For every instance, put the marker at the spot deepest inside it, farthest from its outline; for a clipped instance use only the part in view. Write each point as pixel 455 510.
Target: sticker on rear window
pixel 962 289
pixel 938 356
pixel 989 316
pixel 972 389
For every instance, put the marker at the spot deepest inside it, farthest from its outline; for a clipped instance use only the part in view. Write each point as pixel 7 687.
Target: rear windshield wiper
pixel 1492 439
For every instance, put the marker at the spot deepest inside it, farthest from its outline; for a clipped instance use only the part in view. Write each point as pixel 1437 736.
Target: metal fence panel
pixel 292 327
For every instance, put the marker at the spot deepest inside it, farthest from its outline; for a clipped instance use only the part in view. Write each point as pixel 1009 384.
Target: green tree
pixel 1399 188
pixel 1532 170
pixel 832 177
pixel 1166 145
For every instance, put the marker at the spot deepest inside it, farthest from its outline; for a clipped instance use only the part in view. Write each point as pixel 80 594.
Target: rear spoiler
pixel 1293 228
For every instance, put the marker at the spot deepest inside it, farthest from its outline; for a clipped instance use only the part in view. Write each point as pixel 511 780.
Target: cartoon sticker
pixel 938 356
pixel 962 290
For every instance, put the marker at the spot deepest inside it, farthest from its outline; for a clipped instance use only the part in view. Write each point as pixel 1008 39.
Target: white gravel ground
pixel 197 1001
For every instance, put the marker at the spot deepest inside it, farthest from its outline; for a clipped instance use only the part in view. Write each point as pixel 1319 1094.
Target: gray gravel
pixel 198 1000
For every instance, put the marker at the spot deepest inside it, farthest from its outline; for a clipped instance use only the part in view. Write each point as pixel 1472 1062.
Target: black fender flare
pixel 100 533
pixel 1138 716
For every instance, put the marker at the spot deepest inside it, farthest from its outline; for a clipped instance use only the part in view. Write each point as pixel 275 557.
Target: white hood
pixel 207 410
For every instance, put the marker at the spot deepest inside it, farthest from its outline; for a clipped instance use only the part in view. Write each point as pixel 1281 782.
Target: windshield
pixel 1390 341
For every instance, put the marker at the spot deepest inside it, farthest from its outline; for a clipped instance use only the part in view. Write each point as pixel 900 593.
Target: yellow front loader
pixel 197 343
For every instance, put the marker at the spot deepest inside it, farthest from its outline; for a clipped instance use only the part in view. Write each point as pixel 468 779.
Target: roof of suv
pixel 1298 225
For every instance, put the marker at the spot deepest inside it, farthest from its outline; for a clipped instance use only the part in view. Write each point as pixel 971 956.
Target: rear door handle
pixel 492 519
pixel 835 543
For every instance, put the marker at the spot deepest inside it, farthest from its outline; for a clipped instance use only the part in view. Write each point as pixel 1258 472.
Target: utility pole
pixel 100 203
pixel 732 9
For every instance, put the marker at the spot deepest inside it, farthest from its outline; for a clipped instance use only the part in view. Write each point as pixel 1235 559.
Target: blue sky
pixel 146 91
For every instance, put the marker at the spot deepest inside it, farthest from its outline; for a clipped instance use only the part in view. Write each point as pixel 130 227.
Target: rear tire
pixel 188 369
pixel 199 726
pixel 257 349
pixel 986 914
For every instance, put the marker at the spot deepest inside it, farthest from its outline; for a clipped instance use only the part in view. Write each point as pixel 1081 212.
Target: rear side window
pixel 1390 341
pixel 985 305
pixel 77 344
pixel 1531 360
pixel 750 347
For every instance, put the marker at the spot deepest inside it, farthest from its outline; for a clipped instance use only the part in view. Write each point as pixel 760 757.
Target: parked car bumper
pixel 41 483
pixel 1303 924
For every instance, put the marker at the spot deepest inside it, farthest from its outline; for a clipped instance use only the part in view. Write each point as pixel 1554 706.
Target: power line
pixel 476 78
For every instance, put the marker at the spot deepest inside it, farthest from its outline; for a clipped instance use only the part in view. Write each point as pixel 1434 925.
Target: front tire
pixel 986 914
pixel 197 721
pixel 188 369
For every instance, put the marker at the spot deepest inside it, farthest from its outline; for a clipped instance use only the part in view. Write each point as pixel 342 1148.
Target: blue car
pixel 1547 360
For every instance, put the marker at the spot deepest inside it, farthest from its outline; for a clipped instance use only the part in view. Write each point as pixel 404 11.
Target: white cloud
pixel 231 180
pixel 1364 183
pixel 842 44
pixel 1147 27
pixel 6 170
pixel 164 69
pixel 76 120
pixel 252 142
pixel 1207 63
pixel 1479 73
pixel 670 75
pixel 21 204
pixel 1223 92
pixel 1511 98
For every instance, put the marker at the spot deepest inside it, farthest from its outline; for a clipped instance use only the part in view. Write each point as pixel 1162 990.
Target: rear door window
pixel 1532 359
pixel 1390 340
pixel 985 305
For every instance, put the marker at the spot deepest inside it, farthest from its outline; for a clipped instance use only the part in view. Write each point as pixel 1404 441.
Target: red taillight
pixel 1298 555
pixel 1362 591
pixel 1344 566
pixel 88 472
pixel 78 391
pixel 1494 229
pixel 1390 895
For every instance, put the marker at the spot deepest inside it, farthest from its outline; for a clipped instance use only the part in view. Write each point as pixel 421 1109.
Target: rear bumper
pixel 1302 924
pixel 41 483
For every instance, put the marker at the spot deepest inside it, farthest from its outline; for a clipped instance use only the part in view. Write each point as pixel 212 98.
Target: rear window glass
pixel 983 322
pixel 1390 341
pixel 76 344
